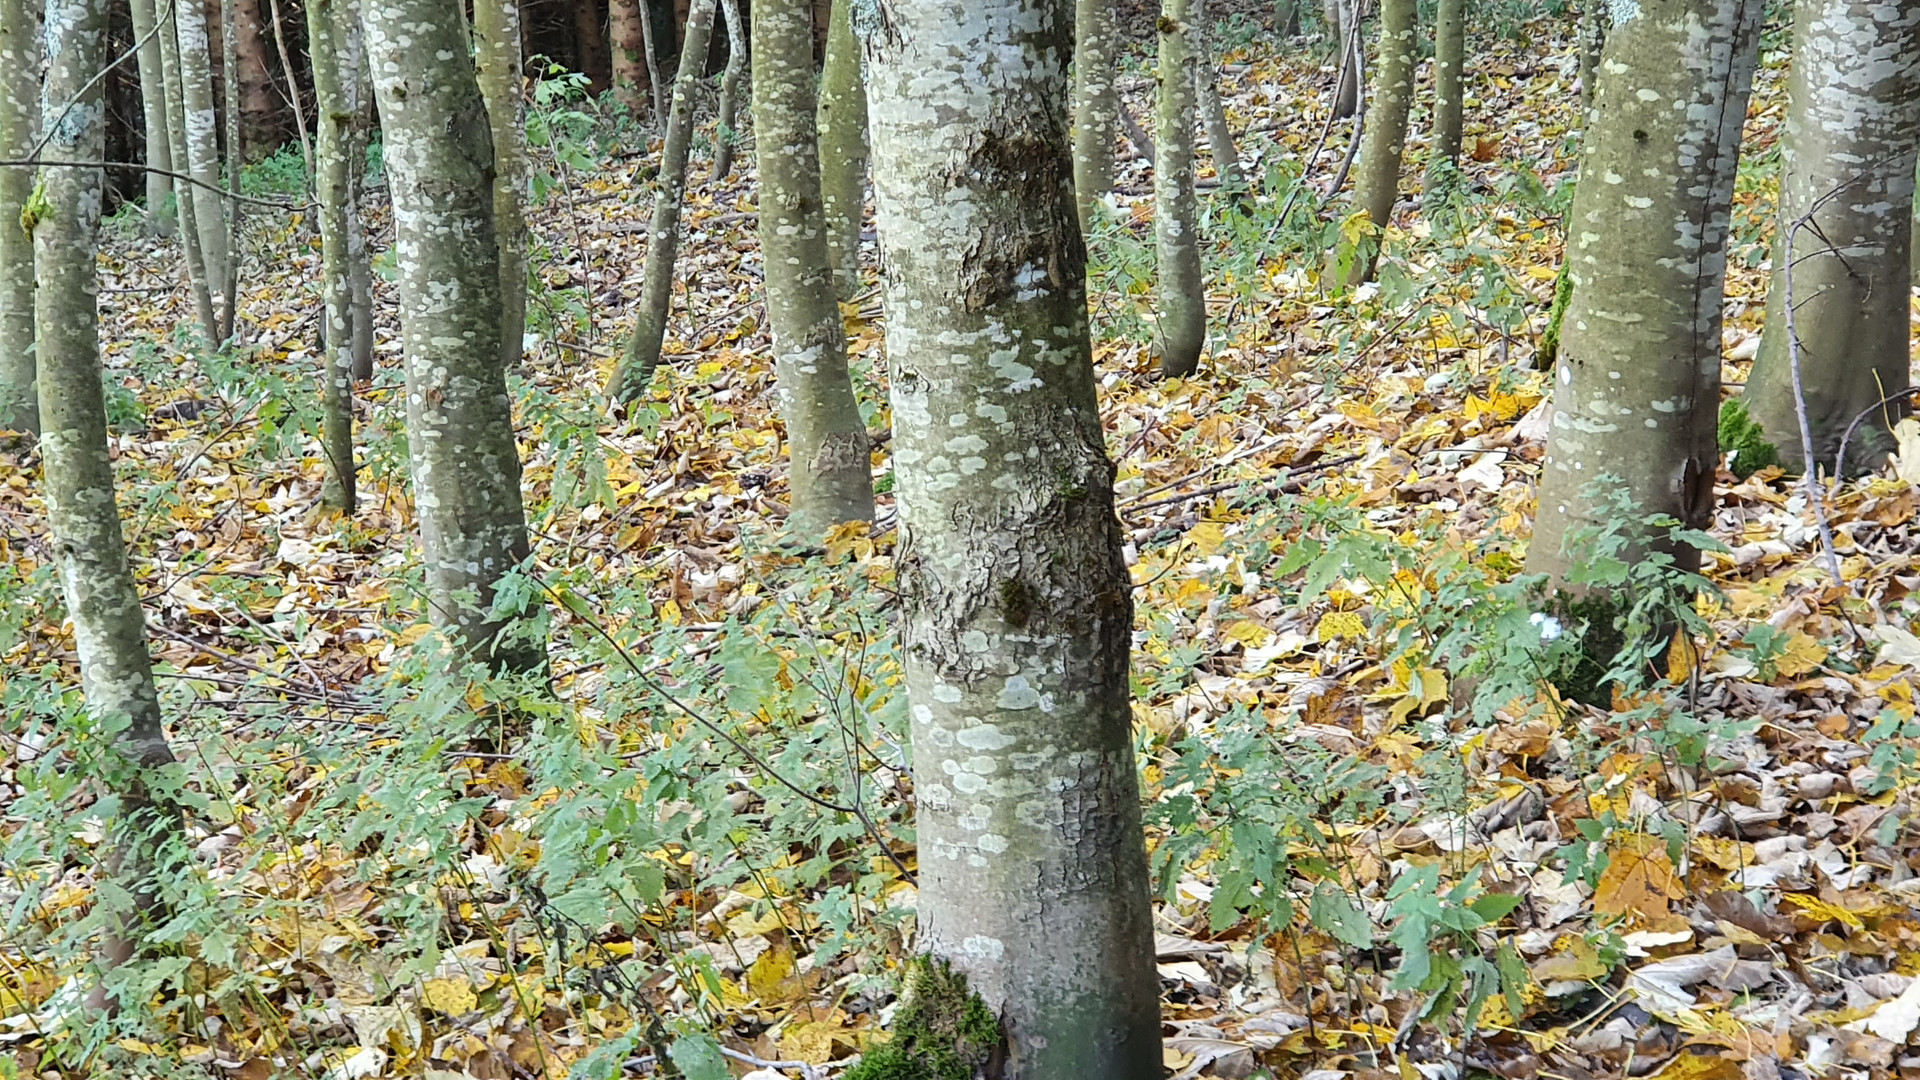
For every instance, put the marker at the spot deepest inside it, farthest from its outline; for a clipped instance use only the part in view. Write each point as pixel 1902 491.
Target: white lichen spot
pixel 993 843
pixel 1017 694
pixel 984 737
pixel 984 947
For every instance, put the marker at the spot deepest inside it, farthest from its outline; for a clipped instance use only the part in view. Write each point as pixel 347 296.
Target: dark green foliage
pixel 1550 341
pixel 1741 439
pixel 1581 673
pixel 942 1031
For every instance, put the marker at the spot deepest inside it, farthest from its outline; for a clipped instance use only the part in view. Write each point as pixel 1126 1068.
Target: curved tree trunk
pixel 465 466
pixel 19 111
pixel 1206 76
pixel 203 150
pixel 1449 60
pixel 832 473
pixel 726 133
pixel 496 54
pixel 1378 187
pixel 198 283
pixel 333 189
pixel 153 114
pixel 1096 103
pixel 89 552
pixel 635 373
pixel 843 150
pixel 1846 199
pixel 1181 331
pixel 1637 383
pixel 1016 606
pixel 626 27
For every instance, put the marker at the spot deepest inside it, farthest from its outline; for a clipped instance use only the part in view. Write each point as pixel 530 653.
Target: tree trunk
pixel 1378 186
pixel 635 373
pixel 466 468
pixel 1181 331
pixel 356 84
pixel 627 31
pixel 831 476
pixel 89 552
pixel 1206 75
pixel 332 189
pixel 496 49
pixel 1343 17
pixel 1449 61
pixel 1637 384
pixel 1846 201
pixel 259 112
pixel 843 150
pixel 726 134
pixel 293 88
pixel 230 89
pixel 19 109
pixel 203 149
pixel 1593 37
pixel 1016 606
pixel 153 114
pixel 185 202
pixel 594 58
pixel 1096 103
pixel 655 80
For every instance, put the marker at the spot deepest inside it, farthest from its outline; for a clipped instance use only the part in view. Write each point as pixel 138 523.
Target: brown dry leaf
pixel 1640 881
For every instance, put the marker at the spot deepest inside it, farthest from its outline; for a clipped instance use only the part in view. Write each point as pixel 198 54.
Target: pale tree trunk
pixel 726 133
pixel 843 149
pixel 19 110
pixel 465 466
pixel 496 48
pixel 153 114
pixel 1378 187
pixel 1181 331
pixel 1637 382
pixel 831 476
pixel 185 200
pixel 1342 18
pixel 1206 75
pixel 1096 103
pixel 332 189
pixel 635 372
pixel 1449 61
pixel 1016 608
pixel 355 84
pixel 1593 37
pixel 230 84
pixel 1846 196
pixel 626 21
pixel 203 148
pixel 88 551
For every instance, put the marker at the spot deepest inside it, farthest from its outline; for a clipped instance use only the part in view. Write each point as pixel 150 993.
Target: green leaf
pixel 699 1057
pixel 1335 913
pixel 1495 906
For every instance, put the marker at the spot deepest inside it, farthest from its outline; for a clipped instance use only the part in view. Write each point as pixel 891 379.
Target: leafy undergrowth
pixel 1394 828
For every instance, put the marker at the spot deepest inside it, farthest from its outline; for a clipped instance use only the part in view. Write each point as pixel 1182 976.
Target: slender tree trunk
pixel 293 87
pixel 1137 135
pixel 153 114
pixel 184 201
pixel 1637 384
pixel 19 109
pixel 356 82
pixel 655 80
pixel 466 468
pixel 1449 61
pixel 1206 75
pixel 230 88
pixel 831 475
pixel 496 34
pixel 635 373
pixel 1343 17
pixel 1378 186
pixel 203 148
pixel 1016 612
pixel 843 150
pixel 1846 197
pixel 259 113
pixel 332 189
pixel 1182 328
pixel 1096 103
pixel 726 134
pixel 89 553
pixel 626 26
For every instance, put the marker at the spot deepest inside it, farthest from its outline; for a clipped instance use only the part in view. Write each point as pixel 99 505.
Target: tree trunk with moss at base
pixel 1846 194
pixel 464 463
pixel 19 106
pixel 1637 380
pixel 88 550
pixel 1378 187
pixel 1096 103
pixel 635 373
pixel 831 475
pixel 496 56
pixel 1016 605
pixel 843 150
pixel 1180 333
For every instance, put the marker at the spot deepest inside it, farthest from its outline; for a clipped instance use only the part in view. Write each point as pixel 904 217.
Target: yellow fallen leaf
pixel 454 997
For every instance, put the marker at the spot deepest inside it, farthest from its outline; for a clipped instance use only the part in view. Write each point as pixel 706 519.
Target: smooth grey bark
pixel 1016 613
pixel 465 466
pixel 89 552
pixel 333 190
pixel 1096 103
pixel 203 150
pixel 1846 196
pixel 185 204
pixel 831 475
pixel 726 134
pixel 1593 37
pixel 1377 188
pixel 1181 330
pixel 1343 18
pixel 656 82
pixel 1206 75
pixel 496 56
pixel 19 112
pixel 1449 61
pixel 153 115
pixel 1637 383
pixel 635 373
pixel 843 150
pixel 355 84
pixel 230 207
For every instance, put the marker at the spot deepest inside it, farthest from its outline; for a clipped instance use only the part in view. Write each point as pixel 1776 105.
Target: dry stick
pixel 1810 467
pixel 1346 58
pixel 35 163
pixel 293 91
pixel 1840 459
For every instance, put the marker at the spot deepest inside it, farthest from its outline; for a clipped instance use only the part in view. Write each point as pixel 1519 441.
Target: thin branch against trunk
pixel 293 90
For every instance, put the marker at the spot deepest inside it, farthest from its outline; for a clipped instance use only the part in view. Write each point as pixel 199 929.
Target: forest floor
pixel 1383 845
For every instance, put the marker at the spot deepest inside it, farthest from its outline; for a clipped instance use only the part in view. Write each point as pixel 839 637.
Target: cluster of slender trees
pixel 990 129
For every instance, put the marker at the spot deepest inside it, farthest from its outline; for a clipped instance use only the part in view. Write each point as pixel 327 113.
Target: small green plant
pixel 1892 760
pixel 1741 439
pixel 942 1031
pixel 283 172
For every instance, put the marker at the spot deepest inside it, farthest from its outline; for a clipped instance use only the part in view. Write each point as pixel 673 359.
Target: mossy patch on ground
pixel 941 1031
